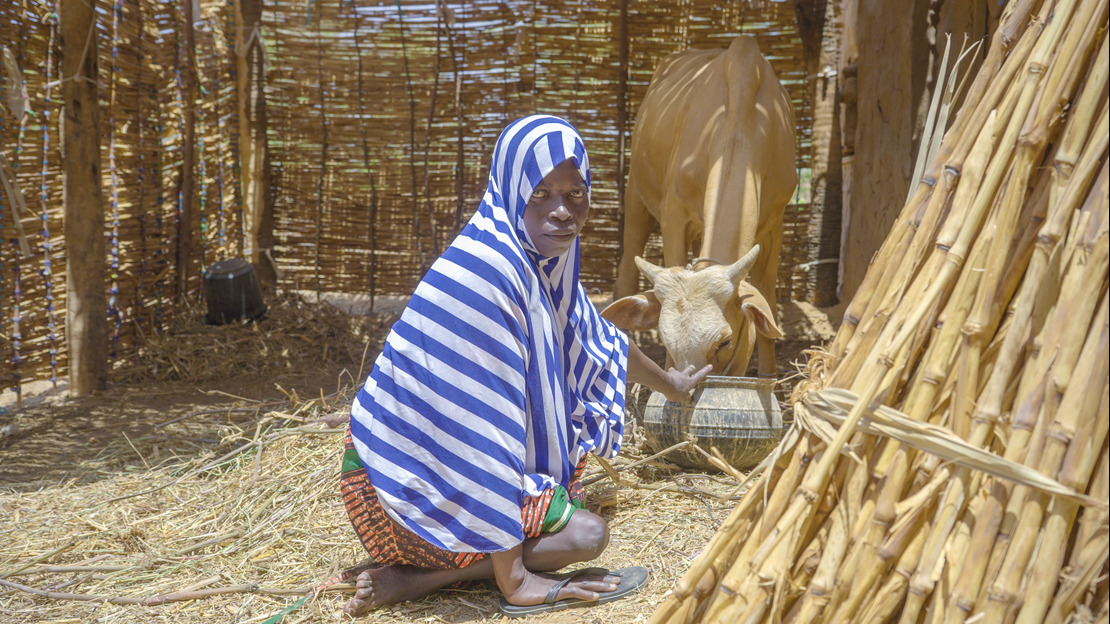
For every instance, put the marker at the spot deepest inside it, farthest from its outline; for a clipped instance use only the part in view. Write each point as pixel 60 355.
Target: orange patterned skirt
pixel 391 543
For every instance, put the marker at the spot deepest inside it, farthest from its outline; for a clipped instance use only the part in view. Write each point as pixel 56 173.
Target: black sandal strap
pixel 555 590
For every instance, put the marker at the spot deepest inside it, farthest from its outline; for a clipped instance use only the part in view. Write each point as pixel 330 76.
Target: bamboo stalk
pixel 1037 411
pixel 686 595
pixel 1080 118
pixel 1091 523
pixel 1076 43
pixel 1090 557
pixel 1070 439
pixel 891 595
pixel 892 484
pixel 1005 589
pixel 864 557
pixel 968 386
pixel 995 84
pixel 930 120
pixel 785 531
pixel 835 547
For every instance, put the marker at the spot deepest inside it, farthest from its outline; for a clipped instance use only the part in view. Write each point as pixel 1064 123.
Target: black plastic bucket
pixel 232 292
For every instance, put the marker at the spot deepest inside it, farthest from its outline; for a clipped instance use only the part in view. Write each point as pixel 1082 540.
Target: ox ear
pixel 739 270
pixel 649 270
pixel 759 314
pixel 636 312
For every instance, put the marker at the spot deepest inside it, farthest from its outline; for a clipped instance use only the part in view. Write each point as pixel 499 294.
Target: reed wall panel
pixel 381 116
pixel 368 206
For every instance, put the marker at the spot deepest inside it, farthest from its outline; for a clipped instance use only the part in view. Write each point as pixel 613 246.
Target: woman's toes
pixel 364 590
pixel 354 607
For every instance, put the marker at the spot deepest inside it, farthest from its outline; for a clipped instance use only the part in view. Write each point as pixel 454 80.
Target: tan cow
pixel 713 164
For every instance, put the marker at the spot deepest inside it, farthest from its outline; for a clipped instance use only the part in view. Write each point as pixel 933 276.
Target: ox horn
pixel 740 269
pixel 649 270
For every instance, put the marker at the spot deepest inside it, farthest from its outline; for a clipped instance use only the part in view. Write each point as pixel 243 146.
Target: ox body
pixel 713 165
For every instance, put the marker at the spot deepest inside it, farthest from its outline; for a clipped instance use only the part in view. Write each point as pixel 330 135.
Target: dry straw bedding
pixel 265 524
pixel 239 528
pixel 294 334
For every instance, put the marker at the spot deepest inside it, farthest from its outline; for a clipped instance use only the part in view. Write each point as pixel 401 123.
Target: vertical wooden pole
pixel 889 57
pixel 622 117
pixel 372 230
pixel 820 28
pixel 86 299
pixel 892 47
pixel 848 77
pixel 188 149
pixel 253 166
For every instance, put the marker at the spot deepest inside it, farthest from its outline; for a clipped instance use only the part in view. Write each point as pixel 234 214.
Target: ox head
pixel 705 314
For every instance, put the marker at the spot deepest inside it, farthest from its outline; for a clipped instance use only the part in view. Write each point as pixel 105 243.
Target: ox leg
pixel 764 278
pixel 637 228
pixel 673 231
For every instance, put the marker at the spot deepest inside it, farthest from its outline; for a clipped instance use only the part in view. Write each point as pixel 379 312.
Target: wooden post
pixel 622 117
pixel 86 298
pixel 820 28
pixel 188 149
pixel 890 38
pixel 848 79
pixel 888 65
pixel 258 206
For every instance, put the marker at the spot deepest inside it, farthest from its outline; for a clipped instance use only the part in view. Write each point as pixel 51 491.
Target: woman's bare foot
pixel 388 585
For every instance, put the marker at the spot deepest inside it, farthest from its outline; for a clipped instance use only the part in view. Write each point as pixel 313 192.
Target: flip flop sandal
pixel 491 584
pixel 632 579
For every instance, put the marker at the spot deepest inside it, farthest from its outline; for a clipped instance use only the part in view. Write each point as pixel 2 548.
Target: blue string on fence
pixel 180 98
pixel 202 176
pixel 15 338
pixel 114 315
pixel 140 291
pixel 47 246
pixel 3 220
pixel 220 228
pixel 162 253
pixel 236 169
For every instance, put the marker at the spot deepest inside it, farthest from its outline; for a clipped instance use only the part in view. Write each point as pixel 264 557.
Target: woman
pixel 468 438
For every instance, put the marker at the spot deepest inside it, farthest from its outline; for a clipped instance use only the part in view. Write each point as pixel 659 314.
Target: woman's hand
pixel 682 382
pixel 672 383
pixel 536 587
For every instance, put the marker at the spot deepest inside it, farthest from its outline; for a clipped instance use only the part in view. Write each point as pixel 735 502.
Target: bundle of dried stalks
pixel 953 463
pixel 292 332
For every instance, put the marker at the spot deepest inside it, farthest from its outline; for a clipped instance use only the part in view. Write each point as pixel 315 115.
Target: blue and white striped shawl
pixel 500 374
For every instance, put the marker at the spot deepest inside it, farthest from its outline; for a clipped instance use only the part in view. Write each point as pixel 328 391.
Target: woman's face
pixel 557 210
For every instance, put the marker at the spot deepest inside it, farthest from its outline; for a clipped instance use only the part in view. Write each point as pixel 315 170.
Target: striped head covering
pixel 500 375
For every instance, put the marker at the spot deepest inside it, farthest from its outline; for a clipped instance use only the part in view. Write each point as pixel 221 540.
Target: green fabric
pixel 351 461
pixel 560 510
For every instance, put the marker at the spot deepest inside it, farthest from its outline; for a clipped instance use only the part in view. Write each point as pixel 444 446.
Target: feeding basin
pixel 738 415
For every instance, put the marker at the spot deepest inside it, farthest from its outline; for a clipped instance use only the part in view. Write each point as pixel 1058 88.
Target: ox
pixel 712 164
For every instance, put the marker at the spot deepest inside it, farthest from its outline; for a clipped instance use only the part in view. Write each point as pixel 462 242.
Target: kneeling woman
pixel 468 438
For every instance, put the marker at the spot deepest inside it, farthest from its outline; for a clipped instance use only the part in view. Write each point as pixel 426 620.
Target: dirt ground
pixel 56 442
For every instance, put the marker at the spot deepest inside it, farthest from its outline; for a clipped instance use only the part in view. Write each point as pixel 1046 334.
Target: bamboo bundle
pixel 949 462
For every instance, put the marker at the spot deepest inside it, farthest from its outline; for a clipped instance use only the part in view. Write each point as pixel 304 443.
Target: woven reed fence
pixel 140 54
pixel 951 460
pixel 391 156
pixel 381 119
